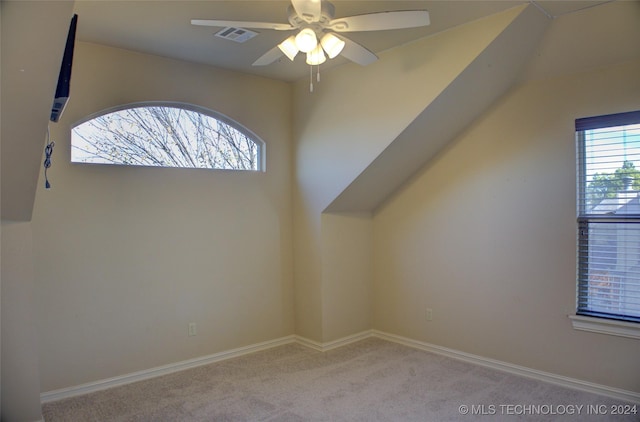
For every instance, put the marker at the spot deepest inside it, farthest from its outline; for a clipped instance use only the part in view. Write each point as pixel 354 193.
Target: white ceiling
pixel 163 27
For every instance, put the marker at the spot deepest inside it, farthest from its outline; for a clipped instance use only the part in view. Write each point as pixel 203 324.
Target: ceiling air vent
pixel 236 34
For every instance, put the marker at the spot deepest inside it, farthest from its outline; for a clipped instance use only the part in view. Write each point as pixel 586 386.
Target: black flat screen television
pixel 64 78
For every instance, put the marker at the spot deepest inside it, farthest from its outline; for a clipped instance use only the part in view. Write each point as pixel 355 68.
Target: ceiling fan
pixel 318 32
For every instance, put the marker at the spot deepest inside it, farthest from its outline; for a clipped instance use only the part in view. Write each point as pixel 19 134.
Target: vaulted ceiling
pixel 33 34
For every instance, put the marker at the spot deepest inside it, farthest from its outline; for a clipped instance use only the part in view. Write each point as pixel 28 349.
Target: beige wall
pixel 20 377
pixel 347 248
pixel 125 258
pixel 485 236
pixel 339 129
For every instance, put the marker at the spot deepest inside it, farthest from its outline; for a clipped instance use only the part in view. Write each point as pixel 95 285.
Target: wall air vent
pixel 236 34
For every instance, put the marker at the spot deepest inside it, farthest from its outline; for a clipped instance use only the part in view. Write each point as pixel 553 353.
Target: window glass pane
pixel 610 268
pixel 164 136
pixel 612 167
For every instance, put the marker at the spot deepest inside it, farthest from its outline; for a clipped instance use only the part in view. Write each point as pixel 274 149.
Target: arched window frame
pixel 260 144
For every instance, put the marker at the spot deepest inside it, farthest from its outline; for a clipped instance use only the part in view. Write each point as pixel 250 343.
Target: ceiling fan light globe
pixel 332 45
pixel 316 56
pixel 306 40
pixel 289 47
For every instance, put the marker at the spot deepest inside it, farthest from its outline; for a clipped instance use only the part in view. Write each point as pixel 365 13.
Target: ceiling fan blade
pixel 242 24
pixel 381 21
pixel 357 53
pixel 308 10
pixel 269 57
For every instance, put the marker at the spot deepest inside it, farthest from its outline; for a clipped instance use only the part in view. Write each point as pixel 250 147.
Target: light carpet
pixel 371 380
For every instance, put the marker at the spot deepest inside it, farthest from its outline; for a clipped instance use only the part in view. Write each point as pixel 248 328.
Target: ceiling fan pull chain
pixel 310 78
pixel 318 73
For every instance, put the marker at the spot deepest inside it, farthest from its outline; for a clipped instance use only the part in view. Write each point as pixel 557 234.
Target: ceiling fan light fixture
pixel 332 45
pixel 289 47
pixel 306 40
pixel 316 56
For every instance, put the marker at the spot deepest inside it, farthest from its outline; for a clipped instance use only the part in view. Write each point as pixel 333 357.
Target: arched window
pixel 165 135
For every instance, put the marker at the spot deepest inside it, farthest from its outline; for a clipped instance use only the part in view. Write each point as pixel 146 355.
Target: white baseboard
pixel 616 393
pixel 91 387
pixel 576 384
pixel 64 393
pixel 323 347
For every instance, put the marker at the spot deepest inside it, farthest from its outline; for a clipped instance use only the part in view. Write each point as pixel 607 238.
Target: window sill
pixel 605 326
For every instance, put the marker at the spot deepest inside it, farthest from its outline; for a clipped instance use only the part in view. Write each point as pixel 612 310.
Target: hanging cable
pixel 48 150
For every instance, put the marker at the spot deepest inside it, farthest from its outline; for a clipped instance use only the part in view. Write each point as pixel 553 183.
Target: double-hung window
pixel 609 218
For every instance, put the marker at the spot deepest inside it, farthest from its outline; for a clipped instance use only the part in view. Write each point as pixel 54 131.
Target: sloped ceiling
pixel 33 39
pixel 484 80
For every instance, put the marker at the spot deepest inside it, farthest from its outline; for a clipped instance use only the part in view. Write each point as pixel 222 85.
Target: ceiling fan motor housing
pixel 327 13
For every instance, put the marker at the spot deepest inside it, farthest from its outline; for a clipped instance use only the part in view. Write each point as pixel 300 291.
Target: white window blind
pixel 609 216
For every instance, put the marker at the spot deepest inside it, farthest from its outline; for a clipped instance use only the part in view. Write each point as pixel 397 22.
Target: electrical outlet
pixel 192 329
pixel 429 314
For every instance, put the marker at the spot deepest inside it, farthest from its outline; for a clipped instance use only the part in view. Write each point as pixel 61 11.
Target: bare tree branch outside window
pixel 163 136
